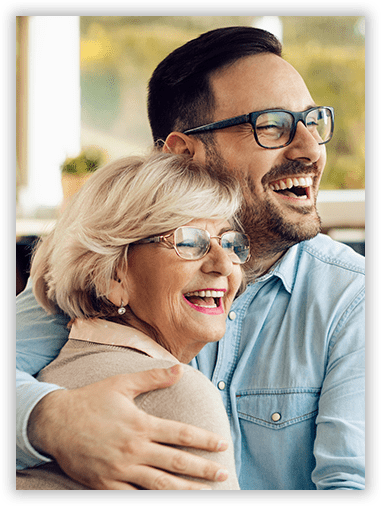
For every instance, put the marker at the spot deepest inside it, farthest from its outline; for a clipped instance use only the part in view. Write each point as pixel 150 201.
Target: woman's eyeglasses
pixel 275 128
pixel 194 243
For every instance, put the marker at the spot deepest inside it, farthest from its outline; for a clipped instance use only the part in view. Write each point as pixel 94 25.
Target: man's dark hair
pixel 179 94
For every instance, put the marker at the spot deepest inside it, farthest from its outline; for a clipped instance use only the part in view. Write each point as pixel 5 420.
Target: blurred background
pixel 81 102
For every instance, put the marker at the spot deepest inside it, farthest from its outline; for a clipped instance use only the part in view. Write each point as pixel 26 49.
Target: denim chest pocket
pixel 278 408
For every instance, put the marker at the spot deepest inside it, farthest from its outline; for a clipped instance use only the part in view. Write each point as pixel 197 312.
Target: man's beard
pixel 269 229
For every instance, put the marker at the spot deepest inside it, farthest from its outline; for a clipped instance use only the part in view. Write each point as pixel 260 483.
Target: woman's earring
pixel 122 309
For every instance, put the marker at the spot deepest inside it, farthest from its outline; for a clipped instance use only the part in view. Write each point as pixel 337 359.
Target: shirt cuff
pixel 28 395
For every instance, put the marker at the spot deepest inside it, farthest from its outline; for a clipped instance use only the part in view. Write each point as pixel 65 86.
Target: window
pixel 82 82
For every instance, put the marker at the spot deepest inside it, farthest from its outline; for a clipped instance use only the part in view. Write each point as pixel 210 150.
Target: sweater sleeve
pixel 193 400
pixel 196 401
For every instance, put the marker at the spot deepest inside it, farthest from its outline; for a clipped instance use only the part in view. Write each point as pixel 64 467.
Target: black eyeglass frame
pixel 252 117
pixel 165 239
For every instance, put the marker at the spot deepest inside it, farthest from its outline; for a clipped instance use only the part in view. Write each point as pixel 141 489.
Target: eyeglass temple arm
pixel 238 120
pixel 158 238
pixel 149 240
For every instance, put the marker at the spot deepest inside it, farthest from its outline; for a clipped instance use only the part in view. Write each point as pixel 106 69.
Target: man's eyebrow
pixel 284 109
pixel 311 107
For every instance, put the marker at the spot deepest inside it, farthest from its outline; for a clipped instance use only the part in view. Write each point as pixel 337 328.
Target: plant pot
pixel 71 183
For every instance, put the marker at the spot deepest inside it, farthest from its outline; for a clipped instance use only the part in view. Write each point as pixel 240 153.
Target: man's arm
pixel 340 438
pixel 100 438
pixel 39 338
pixel 99 424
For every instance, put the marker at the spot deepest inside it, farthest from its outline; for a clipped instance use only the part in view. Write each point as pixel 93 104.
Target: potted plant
pixel 75 171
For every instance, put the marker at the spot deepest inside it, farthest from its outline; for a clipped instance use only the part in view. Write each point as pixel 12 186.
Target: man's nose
pixel 304 146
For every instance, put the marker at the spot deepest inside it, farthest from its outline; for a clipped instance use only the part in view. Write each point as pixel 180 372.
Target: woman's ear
pixel 118 294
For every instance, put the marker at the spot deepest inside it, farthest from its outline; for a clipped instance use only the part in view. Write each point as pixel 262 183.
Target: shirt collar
pixel 285 268
pixel 113 334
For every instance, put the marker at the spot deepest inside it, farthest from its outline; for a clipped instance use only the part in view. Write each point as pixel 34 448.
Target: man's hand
pixel 100 438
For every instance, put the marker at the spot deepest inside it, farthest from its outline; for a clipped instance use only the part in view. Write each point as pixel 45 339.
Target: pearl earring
pixel 122 309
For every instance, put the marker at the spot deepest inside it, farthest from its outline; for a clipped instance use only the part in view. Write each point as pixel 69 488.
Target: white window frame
pixel 342 208
pixel 53 110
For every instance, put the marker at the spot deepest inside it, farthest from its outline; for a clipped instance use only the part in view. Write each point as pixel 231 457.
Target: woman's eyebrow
pixel 226 229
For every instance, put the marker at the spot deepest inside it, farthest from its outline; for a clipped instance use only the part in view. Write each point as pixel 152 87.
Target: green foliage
pixel 89 160
pixel 336 76
pixel 328 51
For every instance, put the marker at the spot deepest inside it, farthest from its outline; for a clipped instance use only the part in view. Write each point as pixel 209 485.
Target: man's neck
pixel 257 267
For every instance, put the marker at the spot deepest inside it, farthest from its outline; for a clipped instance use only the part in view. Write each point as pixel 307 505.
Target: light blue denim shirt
pixel 290 370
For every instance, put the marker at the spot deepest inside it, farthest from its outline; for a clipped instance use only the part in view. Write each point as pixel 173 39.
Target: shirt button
pixel 232 315
pixel 275 417
pixel 221 385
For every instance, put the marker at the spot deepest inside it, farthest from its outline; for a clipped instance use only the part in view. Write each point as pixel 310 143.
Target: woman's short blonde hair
pixel 127 200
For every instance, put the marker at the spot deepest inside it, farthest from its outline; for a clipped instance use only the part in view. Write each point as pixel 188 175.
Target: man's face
pixel 274 219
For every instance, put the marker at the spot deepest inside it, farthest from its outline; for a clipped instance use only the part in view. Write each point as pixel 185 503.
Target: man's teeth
pixel 284 184
pixel 206 293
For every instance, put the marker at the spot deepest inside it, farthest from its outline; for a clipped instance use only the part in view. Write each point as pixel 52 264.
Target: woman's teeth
pixel 205 298
pixel 206 293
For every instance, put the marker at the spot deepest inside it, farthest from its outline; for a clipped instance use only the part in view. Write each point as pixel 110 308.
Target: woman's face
pixel 164 291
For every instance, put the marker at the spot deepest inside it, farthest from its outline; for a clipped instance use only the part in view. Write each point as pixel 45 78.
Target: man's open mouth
pixel 294 187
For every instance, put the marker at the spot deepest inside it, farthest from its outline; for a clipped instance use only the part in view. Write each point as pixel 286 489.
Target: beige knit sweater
pixel 193 400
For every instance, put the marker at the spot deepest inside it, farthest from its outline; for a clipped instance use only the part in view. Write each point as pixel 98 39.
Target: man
pixel 291 365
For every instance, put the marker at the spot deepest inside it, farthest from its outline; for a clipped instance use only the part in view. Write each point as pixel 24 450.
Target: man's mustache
pixel 291 168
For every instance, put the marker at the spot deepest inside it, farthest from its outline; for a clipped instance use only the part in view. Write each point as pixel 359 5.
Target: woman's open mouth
pixel 206 301
pixel 293 187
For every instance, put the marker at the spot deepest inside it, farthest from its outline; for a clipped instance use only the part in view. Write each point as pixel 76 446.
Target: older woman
pixel 146 261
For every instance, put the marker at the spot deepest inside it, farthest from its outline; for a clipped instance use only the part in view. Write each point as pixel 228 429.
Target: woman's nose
pixel 217 260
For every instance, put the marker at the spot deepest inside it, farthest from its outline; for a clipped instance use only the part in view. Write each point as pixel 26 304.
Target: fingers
pixel 181 434
pixel 152 379
pixel 178 461
pixel 152 476
pixel 154 479
pixel 117 485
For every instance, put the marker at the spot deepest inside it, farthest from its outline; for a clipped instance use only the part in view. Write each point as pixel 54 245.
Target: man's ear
pixel 179 143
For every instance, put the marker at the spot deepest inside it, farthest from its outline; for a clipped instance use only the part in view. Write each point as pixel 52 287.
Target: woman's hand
pixel 101 439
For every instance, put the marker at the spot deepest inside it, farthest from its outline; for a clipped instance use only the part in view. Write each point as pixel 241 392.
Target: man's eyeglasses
pixel 194 243
pixel 275 128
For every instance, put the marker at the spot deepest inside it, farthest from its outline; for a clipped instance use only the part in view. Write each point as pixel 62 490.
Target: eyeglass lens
pixel 274 129
pixel 193 243
pixel 237 245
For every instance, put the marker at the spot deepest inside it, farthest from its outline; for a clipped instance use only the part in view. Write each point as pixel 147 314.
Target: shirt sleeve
pixel 39 338
pixel 340 438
